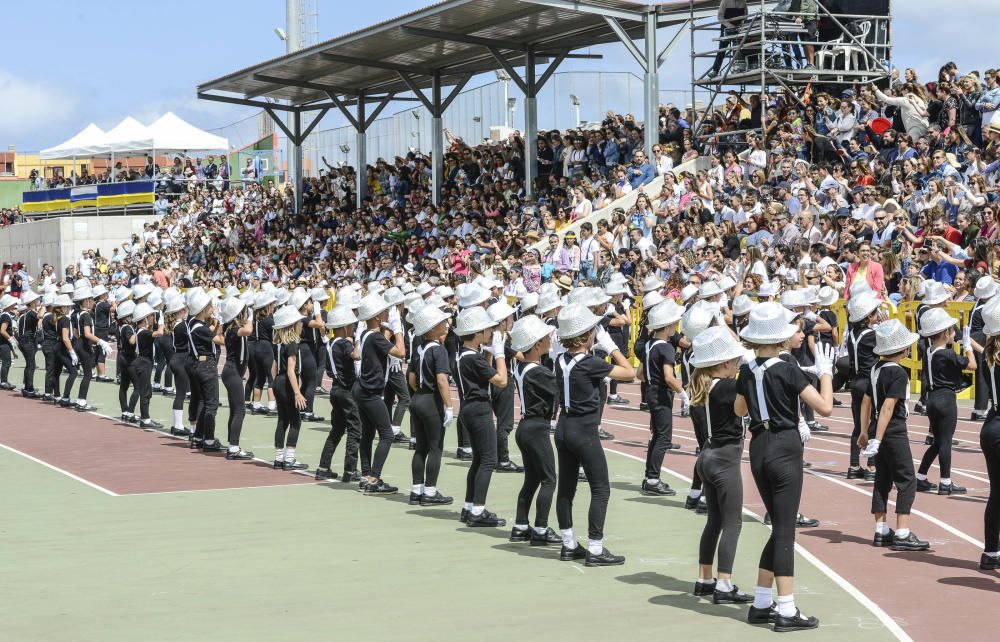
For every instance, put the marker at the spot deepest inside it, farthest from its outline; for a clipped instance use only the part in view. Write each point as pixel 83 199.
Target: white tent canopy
pixel 86 143
pixel 169 134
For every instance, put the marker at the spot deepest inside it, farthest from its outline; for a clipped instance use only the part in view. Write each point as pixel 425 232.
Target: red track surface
pixel 121 459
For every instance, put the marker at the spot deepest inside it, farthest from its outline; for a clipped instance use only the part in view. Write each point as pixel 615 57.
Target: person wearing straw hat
pixel 650 300
pixel 989 437
pixel 27 329
pixel 236 327
pixel 825 298
pixel 141 368
pixel 502 399
pixel 85 342
pixel 397 392
pixel 65 356
pixel 537 389
pixel 863 314
pixel 289 393
pixel 619 327
pixel 715 357
pixel 885 411
pixel 474 376
pixel 312 324
pixel 319 339
pixel 374 350
pixel 180 364
pixel 430 405
pixel 263 352
pixel 741 312
pixel 985 291
pixel 547 309
pixel 126 355
pixel 102 328
pixel 341 357
pixel 802 301
pixel 50 342
pixel 698 318
pixel 8 344
pixel 579 376
pixel 658 366
pixel 204 334
pixel 944 380
pixel 935 296
pixel 769 390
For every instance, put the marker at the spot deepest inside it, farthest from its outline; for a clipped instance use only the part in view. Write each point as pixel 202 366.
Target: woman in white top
pixel 663 162
pixel 756 262
pixel 912 109
pixel 582 205
pixel 842 127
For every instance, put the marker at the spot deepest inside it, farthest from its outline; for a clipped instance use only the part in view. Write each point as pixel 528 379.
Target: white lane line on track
pixel 60 470
pixel 888 622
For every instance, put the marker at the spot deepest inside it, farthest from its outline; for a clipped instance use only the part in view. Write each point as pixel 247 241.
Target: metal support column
pixel 437 139
pixel 296 159
pixel 651 87
pixel 530 125
pixel 361 146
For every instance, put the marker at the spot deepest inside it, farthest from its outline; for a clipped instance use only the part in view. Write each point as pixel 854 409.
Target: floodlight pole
pixel 437 139
pixel 361 147
pixel 530 124
pixel 651 87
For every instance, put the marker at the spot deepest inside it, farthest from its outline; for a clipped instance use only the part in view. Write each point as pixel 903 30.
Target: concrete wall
pixel 60 241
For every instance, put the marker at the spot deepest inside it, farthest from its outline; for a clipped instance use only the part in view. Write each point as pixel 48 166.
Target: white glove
pixel 720 317
pixel 73 358
pixel 13 342
pixel 497 347
pixel 685 402
pixel 748 357
pixel 105 347
pixel 967 338
pixel 871 449
pixel 395 325
pixel 804 432
pixel 552 425
pixel 824 360
pixel 604 341
pixel 325 339
pixel 449 416
pixel 810 315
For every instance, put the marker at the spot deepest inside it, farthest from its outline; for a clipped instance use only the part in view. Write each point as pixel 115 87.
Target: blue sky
pixel 68 63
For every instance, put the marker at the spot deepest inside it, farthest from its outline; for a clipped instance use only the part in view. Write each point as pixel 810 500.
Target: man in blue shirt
pixel 937 268
pixel 640 172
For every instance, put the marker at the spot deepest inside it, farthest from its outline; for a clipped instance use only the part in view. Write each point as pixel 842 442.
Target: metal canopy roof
pixel 370 59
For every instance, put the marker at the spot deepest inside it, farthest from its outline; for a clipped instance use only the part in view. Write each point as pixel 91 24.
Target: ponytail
pixel 991 355
pixel 698 386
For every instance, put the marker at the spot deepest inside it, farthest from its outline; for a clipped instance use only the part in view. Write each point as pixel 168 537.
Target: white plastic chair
pixel 846 47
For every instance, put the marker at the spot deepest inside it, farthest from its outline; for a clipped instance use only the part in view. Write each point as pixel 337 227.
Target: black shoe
pixel 463 455
pixel 47 398
pixel 929 440
pixel 414 498
pixel 86 407
pixel 400 438
pixel 617 400
pixel 363 483
pixel 570 554
pixel 989 562
pixel 464 515
pixel 691 503
pixel 486 519
pixel 277 463
pixel 837 402
pixel 214 446
pixel 180 432
pixel 735 596
pixel 702 506
pixel 320 390
pixel 520 536
pixel 149 423
pixel 604 558
pixel 350 477
pixel 413 444
pixel 794 623
pixel 325 474
pixel 951 489
pixel 979 415
pixel 240 455
pixel 673 446
pixel 908 543
pixel 801 521
pixel 925 486
pixel 380 488
pixel 316 419
pixel 767 519
pixel 508 467
pixel 544 539
pixel 883 540
pixel 818 427
pixel 868 474
pixel 127 419
pixel 806 464
pixel 659 489
pixel 437 499
pixel 643 406
pixel 604 435
pixel 762 616
pixel 919 408
pixel 704 589
pixel 295 464
pixel 65 403
pixel 271 412
pixel 855 473
pixel 581 476
pixel 197 444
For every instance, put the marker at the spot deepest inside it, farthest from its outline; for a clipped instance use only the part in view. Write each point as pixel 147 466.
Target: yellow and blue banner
pixel 101 195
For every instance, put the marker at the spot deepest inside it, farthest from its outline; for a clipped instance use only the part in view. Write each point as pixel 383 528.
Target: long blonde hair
pixel 991 355
pixel 287 335
pixel 701 383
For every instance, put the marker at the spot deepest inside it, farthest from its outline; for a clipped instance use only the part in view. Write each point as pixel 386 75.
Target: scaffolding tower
pixel 765 53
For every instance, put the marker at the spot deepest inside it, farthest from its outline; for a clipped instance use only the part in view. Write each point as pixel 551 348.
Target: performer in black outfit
pixel 536 384
pixel 65 356
pixel 985 292
pixel 989 437
pixel 102 328
pixel 204 336
pixel 502 399
pixel 288 391
pixel 8 344
pixel 341 356
pixel 769 390
pixel 50 342
pixel 312 326
pixel 27 329
pixel 263 352
pixel 236 327
pixel 143 319
pixel 579 376
pixel 862 316
pixel 180 365
pixel 126 355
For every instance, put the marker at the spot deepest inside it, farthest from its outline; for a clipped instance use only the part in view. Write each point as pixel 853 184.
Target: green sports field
pixel 315 561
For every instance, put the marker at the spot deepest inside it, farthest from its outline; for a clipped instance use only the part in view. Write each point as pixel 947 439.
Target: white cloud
pixel 31 107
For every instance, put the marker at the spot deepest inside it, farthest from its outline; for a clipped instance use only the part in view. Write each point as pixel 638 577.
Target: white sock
pixel 649 482
pixel 234 449
pixel 994 554
pixel 279 454
pixel 541 530
pixel 430 491
pixel 921 477
pixel 705 580
pixel 724 585
pixel 178 419
pixel 271 405
pixel 786 605
pixel 467 449
pixel 477 510
pixel 418 489
pixel 81 402
pixel 520 527
pixel 289 454
pixel 467 506
pixel 256 405
pixel 595 546
pixel 762 597
pixel 569 538
pixel 946 481
pixel 396 430
pixel 881 528
pixel 694 493
pixel 903 533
